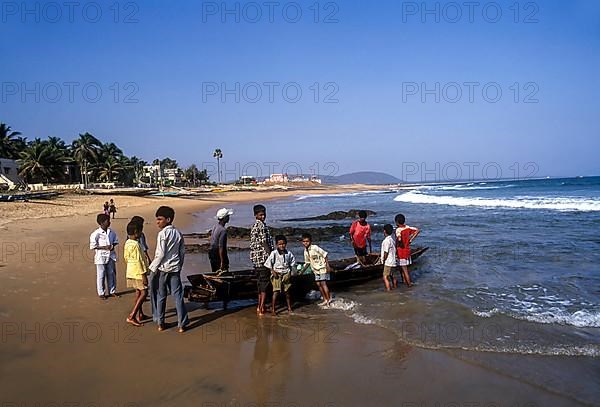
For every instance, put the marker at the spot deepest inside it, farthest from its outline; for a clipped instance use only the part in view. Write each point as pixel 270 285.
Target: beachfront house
pixel 173 176
pixel 279 178
pixel 151 174
pixel 9 174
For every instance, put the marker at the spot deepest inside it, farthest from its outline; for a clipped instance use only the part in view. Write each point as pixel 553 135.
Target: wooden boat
pixel 25 196
pixel 241 285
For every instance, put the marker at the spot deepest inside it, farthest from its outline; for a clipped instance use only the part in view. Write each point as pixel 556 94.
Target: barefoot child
pixel 388 258
pixel 151 284
pixel 167 264
pixel 360 234
pixel 316 259
pixel 280 262
pixel 261 245
pixel 404 236
pixel 137 270
pixel 103 241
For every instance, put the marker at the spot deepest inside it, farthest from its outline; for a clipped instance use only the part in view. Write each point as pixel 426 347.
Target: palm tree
pixel 218 154
pixel 85 151
pixel 10 142
pixel 40 162
pixel 110 169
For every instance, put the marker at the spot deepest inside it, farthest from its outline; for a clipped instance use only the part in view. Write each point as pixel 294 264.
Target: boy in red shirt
pixel 360 233
pixel 404 236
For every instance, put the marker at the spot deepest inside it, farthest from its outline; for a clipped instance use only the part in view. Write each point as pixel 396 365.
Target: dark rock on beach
pixel 337 215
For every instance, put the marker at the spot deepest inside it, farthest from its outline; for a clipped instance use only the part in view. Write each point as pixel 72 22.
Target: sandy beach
pixel 61 345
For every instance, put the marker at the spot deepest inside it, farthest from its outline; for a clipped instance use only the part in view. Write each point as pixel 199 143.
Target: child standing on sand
pixel 281 261
pixel 103 241
pixel 168 263
pixel 404 236
pixel 137 270
pixel 112 208
pixel 151 284
pixel 388 258
pixel 316 259
pixel 261 245
pixel 106 208
pixel 360 234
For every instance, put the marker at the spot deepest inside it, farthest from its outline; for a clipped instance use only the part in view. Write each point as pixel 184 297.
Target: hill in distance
pixel 362 177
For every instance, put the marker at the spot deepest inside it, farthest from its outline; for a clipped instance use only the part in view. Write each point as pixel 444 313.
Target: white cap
pixel 223 212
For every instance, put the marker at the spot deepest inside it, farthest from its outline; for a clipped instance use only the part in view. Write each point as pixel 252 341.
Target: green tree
pixel 218 154
pixel 85 153
pixel 110 169
pixel 10 142
pixel 40 162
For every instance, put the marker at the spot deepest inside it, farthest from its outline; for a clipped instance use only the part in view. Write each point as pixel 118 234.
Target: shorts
pixel 281 282
pixel 404 262
pixel 388 271
pixel 263 280
pixel 135 283
pixel 322 277
pixel 360 251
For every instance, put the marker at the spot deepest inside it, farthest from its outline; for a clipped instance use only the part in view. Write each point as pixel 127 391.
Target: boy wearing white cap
pixel 217 254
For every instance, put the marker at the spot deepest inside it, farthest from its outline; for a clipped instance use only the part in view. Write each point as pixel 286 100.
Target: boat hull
pixel 242 284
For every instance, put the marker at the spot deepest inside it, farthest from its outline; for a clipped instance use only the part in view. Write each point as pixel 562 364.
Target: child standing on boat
pixel 280 262
pixel 388 258
pixel 261 245
pixel 316 259
pixel 404 236
pixel 137 271
pixel 360 234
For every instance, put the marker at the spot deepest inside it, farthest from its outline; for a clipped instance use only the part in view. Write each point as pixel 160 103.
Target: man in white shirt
pixel 388 258
pixel 166 269
pixel 103 241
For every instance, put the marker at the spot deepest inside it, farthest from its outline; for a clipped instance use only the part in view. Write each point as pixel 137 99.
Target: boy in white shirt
pixel 280 262
pixel 388 258
pixel 103 241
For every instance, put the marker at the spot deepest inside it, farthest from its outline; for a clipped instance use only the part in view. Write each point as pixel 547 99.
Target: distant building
pixel 316 179
pixel 152 174
pixel 9 173
pixel 247 179
pixel 279 178
pixel 174 176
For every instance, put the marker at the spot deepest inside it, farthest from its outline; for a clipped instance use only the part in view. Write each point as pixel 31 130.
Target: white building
pixel 279 178
pixel 9 173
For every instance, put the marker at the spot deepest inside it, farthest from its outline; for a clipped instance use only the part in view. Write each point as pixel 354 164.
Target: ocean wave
pixel 580 318
pixel 344 195
pixel 562 204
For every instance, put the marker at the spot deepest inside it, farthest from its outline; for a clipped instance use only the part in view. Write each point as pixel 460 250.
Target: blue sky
pixel 376 63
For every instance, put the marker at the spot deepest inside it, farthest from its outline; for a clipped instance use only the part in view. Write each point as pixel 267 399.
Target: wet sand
pixel 60 345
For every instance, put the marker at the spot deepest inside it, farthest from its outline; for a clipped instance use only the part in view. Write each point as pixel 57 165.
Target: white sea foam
pixel 342 195
pixel 362 319
pixel 581 318
pixel 559 204
pixel 342 304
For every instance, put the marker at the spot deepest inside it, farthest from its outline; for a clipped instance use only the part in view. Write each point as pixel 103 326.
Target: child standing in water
pixel 316 259
pixel 404 236
pixel 388 258
pixel 360 234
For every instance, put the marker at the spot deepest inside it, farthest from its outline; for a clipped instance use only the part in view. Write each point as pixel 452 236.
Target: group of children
pixel 395 248
pixel 272 261
pixel 110 208
pixel 158 277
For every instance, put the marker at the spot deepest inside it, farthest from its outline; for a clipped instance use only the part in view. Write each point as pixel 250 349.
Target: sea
pixel 511 280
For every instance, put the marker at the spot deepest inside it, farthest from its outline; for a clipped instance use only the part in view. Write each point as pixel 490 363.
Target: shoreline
pixel 82 350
